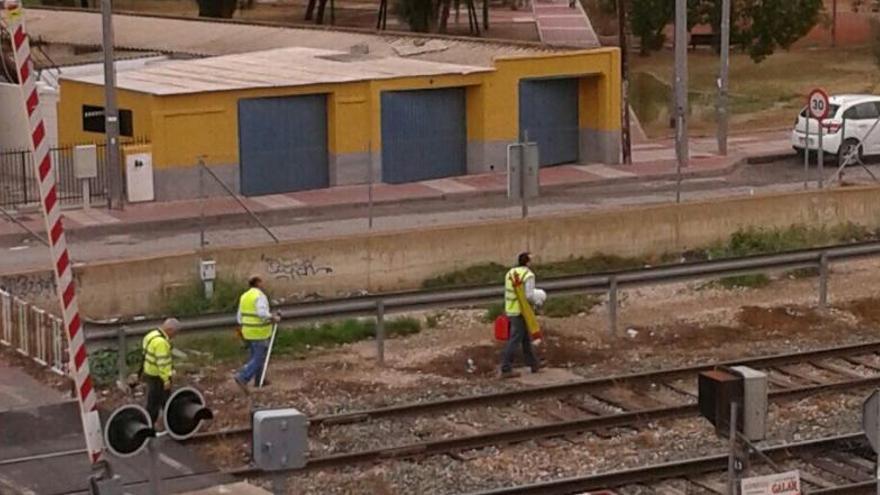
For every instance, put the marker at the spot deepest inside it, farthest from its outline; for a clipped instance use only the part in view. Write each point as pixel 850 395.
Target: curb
pixel 276 215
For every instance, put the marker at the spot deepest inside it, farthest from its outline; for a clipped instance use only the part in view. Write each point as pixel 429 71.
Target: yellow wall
pixel 75 94
pixel 182 127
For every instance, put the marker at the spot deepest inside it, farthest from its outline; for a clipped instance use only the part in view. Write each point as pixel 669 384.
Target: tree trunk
pixel 222 9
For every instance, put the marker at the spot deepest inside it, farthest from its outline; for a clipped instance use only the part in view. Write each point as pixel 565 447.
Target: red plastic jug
pixel 502 328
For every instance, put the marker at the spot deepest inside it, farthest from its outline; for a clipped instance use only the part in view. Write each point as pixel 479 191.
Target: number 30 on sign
pixel 818 104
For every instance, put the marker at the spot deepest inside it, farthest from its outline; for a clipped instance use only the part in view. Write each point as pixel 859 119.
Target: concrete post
pixel 380 332
pixel 612 307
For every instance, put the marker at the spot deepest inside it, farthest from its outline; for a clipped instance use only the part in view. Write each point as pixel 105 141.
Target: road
pixel 25 254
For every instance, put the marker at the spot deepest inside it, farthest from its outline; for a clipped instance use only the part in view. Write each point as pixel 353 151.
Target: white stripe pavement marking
pixel 604 171
pixel 447 186
pixel 277 201
pixel 179 467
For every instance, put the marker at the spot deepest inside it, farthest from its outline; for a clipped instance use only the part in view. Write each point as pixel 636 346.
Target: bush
pixel 562 306
pixel 493 312
pixel 190 300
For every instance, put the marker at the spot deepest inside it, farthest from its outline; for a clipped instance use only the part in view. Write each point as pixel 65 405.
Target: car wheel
pixel 846 149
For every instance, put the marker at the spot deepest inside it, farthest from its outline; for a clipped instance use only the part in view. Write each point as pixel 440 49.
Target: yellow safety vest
pixel 157 355
pixel 252 326
pixel 511 303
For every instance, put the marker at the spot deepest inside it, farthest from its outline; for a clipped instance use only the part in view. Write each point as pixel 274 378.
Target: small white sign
pixel 788 483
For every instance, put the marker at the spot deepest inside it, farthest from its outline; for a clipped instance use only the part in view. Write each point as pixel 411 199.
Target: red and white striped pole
pixel 44 170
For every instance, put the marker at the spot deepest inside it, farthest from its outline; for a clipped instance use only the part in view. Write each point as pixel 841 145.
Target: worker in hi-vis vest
pixel 519 332
pixel 256 329
pixel 158 368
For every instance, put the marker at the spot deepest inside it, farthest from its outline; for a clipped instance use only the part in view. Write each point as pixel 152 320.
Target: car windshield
pixel 831 112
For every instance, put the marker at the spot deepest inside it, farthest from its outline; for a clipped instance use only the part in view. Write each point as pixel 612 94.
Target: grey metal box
pixel 522 171
pixel 754 415
pixel 280 439
pixel 85 161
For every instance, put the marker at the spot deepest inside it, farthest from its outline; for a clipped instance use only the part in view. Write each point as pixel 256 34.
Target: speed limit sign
pixel 818 104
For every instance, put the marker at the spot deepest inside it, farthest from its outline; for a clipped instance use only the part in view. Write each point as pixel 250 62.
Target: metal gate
pixel 283 144
pixel 18 185
pixel 424 134
pixel 548 115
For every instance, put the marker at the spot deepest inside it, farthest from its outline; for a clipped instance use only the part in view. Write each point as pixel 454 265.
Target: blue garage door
pixel 424 135
pixel 548 114
pixel 283 144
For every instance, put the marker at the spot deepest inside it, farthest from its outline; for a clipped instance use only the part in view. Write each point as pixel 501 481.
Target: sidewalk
pixel 651 161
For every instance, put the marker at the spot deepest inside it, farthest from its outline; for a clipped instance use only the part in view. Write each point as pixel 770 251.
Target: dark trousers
pixel 519 336
pixel 156 396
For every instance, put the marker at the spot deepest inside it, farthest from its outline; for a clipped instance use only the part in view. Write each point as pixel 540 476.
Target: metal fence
pixel 18 182
pixel 33 333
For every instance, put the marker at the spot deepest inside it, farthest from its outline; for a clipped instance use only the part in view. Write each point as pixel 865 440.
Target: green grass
pixel 752 241
pixel 493 273
pixel 299 340
pixel 190 300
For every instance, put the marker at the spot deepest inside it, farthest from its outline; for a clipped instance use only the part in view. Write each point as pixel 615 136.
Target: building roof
pixel 210 38
pixel 282 67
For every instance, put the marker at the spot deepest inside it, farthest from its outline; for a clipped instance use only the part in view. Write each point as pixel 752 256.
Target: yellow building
pixel 299 118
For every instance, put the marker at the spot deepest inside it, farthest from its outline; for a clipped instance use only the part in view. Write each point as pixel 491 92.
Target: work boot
pixel 242 385
pixel 538 367
pixel 510 374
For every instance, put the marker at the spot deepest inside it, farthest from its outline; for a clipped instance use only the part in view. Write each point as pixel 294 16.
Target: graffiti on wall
pixel 31 285
pixel 286 269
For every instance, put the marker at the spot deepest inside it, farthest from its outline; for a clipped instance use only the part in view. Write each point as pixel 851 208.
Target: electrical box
pixel 281 439
pixel 85 162
pixel 139 177
pixel 717 390
pixel 208 270
pixel 753 421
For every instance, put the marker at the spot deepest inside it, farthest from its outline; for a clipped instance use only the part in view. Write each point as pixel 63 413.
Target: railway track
pixel 597 405
pixel 835 465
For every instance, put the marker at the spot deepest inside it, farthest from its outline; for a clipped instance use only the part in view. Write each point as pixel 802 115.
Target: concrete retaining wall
pixel 401 260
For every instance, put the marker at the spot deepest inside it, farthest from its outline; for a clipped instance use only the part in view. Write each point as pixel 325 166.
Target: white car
pixel 852 120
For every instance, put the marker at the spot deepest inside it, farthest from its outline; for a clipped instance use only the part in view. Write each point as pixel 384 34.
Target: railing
pixel 33 333
pixel 18 185
pixel 603 283
pixel 24 327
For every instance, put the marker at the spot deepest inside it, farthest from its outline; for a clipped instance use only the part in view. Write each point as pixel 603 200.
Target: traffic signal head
pixel 184 413
pixel 128 430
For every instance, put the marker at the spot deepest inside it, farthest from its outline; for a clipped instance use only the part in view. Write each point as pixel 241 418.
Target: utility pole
pixel 626 135
pixel 833 23
pixel 681 94
pixel 723 110
pixel 111 112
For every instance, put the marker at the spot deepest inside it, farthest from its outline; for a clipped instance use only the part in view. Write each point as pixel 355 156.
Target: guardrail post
pixel 612 306
pixel 121 361
pixel 380 332
pixel 823 281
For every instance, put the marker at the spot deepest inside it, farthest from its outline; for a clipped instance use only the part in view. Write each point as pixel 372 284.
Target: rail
pixel 600 283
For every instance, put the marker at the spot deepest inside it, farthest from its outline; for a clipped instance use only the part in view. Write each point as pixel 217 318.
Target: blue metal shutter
pixel 424 135
pixel 283 144
pixel 548 113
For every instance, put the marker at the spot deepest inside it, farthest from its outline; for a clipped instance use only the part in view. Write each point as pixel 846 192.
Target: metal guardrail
pixel 603 283
pixel 38 334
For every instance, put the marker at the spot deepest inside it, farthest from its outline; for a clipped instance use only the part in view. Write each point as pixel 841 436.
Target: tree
pixel 762 26
pixel 648 19
pixel 223 9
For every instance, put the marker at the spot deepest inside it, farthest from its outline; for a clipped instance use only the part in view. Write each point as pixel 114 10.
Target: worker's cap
pixel 171 324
